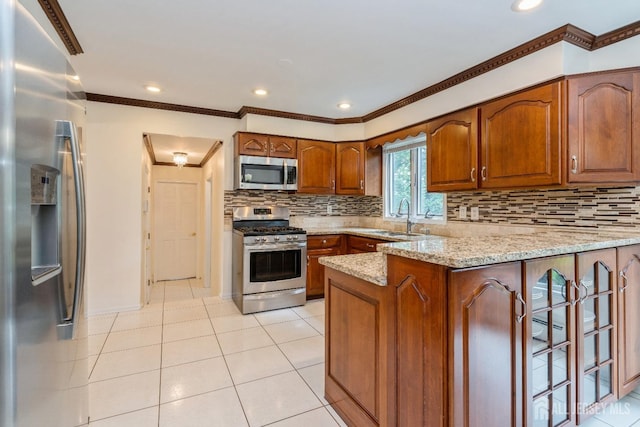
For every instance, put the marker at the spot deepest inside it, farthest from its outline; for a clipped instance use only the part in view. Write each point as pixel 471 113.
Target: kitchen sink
pixel 396 233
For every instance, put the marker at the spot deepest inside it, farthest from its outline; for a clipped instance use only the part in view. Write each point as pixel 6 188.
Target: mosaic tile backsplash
pixel 305 204
pixel 579 207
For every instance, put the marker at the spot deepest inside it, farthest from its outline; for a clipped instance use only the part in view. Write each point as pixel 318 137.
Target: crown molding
pixel 567 33
pixel 60 23
pixel 109 99
pixel 615 36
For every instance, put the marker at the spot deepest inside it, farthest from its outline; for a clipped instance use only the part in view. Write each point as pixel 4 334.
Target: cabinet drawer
pixel 324 241
pixel 363 244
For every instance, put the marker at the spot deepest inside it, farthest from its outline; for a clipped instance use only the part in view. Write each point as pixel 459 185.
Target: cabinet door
pixel 550 361
pixel 520 139
pixel 317 167
pixel 452 152
pixel 595 330
pixel 357 244
pixel 486 327
pixel 281 146
pixel 628 319
pixel 604 128
pixel 350 168
pixel 315 272
pixel 252 144
pixel 421 347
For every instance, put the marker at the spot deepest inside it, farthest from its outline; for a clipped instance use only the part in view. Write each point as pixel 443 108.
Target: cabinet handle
pixel 524 307
pixel 577 288
pixel 362 184
pixel 483 173
pixel 623 272
pixel 333 184
pixel 473 174
pixel 574 164
pixel 370 245
pixel 586 292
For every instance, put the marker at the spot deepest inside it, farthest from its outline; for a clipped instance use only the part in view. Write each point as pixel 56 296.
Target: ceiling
pixel 161 148
pixel 309 54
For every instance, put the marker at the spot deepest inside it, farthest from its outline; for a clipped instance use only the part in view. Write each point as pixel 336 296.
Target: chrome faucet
pixel 409 223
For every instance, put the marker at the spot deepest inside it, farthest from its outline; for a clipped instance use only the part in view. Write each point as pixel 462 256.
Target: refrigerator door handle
pixel 67 129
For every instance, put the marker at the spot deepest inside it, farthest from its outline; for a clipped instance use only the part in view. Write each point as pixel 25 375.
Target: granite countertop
pixel 462 252
pixel 373 233
pixel 473 251
pixel 371 267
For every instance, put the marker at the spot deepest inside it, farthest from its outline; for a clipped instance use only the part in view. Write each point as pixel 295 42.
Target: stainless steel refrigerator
pixel 43 332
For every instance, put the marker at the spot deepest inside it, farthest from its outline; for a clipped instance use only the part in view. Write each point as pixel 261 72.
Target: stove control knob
pixel 295 237
pixel 264 239
pixel 257 240
pixel 276 238
pixel 289 238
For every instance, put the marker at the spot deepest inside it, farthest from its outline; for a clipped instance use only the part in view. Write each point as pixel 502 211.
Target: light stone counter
pixel 371 267
pixel 462 252
pixel 373 233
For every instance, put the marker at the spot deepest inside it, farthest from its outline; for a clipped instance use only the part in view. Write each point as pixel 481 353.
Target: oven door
pixel 273 267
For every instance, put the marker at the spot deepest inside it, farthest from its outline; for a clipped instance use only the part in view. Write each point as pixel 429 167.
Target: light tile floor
pixel 189 359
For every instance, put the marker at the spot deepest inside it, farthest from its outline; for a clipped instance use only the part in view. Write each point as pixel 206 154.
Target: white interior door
pixel 176 222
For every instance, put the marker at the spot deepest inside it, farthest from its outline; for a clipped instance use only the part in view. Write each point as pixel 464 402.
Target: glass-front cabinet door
pixel 595 327
pixel 551 292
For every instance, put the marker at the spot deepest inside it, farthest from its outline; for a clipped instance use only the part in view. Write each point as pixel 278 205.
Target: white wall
pixel 114 149
pixel 215 169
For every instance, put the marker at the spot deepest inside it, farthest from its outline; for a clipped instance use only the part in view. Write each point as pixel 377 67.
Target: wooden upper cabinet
pixel 452 152
pixel 350 168
pixel 604 128
pixel 252 144
pixel 520 139
pixel 282 146
pixel 257 144
pixel 316 166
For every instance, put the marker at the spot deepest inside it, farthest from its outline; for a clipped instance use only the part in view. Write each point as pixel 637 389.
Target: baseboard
pixel 114 310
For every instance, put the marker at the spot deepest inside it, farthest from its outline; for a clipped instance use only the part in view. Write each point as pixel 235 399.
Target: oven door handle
pixel 276 247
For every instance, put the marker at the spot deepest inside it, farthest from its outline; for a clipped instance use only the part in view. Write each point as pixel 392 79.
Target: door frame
pixel 208 188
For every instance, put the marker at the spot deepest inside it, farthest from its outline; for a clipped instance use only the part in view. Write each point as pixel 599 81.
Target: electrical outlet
pixel 462 212
pixel 329 209
pixel 475 213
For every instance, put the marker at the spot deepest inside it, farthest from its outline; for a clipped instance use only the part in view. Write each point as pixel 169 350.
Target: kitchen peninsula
pixel 454 331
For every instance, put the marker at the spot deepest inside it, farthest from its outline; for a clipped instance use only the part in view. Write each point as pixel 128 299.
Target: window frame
pixel 389 212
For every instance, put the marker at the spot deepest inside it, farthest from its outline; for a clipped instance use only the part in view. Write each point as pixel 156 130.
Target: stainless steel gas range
pixel 269 259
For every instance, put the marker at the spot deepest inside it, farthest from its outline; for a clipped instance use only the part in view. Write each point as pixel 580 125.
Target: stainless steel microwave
pixel 266 173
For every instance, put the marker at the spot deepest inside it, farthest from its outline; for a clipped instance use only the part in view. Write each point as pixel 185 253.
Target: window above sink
pixel 405 177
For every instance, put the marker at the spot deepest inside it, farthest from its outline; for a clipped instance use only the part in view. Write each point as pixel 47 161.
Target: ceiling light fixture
pixel 260 92
pixel 154 89
pixel 76 77
pixel 344 106
pixel 525 5
pixel 180 158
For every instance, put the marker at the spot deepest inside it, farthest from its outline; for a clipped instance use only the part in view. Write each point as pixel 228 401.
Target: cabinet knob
pixel 324 241
pixel 574 164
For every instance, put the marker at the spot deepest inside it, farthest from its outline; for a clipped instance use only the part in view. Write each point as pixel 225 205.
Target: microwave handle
pixel 286 173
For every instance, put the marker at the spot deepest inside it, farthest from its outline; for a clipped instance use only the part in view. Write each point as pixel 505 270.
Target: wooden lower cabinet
pixel 358 244
pixel 421 344
pixel 359 374
pixel 628 319
pixel 486 342
pixel 319 246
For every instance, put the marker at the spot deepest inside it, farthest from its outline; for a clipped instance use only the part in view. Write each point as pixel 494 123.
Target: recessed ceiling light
pixel 344 106
pixel 260 92
pixel 524 5
pixel 76 77
pixel 151 88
